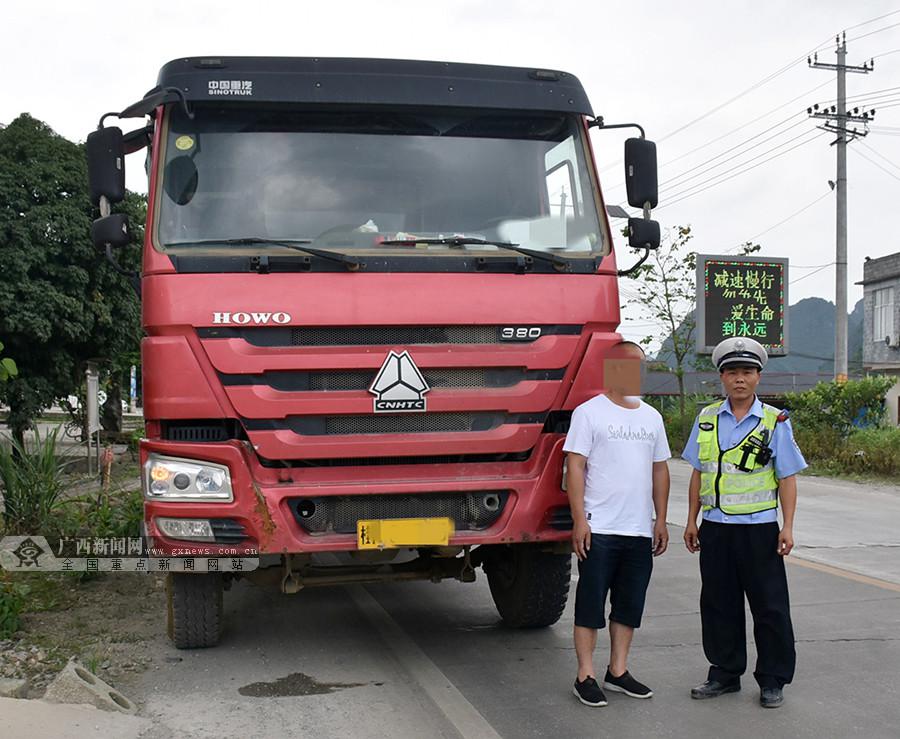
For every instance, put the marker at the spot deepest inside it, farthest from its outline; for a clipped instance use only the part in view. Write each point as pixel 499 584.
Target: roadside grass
pixel 867 455
pixel 48 617
pixel 818 469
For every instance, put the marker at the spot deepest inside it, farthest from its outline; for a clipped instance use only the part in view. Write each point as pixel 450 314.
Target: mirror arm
pixel 184 101
pixel 134 278
pixel 635 266
pixel 138 139
pixel 598 123
pixel 136 110
pixel 111 114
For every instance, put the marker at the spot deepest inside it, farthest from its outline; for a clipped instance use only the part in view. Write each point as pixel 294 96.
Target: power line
pixel 725 135
pixel 872 161
pixel 874 94
pixel 750 89
pixel 872 33
pixel 886 92
pixel 678 197
pixel 872 20
pixel 783 221
pixel 879 155
pixel 740 153
pixel 885 107
pixel 739 128
pixel 774 75
pixel 885 53
pixel 810 274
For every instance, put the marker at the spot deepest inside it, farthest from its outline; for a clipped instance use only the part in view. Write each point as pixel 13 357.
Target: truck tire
pixel 529 587
pixel 195 609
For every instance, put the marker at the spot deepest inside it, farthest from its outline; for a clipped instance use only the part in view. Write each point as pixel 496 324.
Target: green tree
pixel 8 367
pixel 61 303
pixel 665 289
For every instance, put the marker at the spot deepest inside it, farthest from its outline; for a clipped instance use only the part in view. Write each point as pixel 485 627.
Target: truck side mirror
pixel 640 173
pixel 106 165
pixel 643 233
pixel 111 231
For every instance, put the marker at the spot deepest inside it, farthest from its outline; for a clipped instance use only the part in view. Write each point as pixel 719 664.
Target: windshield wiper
pixel 301 245
pixel 460 241
pixel 446 241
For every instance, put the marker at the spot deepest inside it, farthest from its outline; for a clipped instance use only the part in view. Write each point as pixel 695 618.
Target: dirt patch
pixel 114 624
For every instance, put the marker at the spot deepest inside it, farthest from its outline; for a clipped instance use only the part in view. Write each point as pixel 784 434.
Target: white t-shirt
pixel 621 445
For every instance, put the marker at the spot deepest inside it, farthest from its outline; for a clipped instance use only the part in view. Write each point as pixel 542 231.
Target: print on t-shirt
pixel 621 433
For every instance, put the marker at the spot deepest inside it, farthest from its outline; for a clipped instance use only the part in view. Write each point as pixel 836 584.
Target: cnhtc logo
pixel 399 386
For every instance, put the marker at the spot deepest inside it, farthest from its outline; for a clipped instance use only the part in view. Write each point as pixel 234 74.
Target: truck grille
pixel 463 378
pixel 336 380
pixel 339 514
pixel 406 423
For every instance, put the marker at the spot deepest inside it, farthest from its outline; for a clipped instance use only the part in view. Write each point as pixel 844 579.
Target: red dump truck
pixel 373 291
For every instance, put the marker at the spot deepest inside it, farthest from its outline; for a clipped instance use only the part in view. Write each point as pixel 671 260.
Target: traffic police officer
pixel 745 463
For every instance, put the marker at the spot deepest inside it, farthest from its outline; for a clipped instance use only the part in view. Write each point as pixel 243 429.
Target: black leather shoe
pixel 771 697
pixel 713 689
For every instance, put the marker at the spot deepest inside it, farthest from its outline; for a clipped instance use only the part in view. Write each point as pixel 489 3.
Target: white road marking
pixel 453 704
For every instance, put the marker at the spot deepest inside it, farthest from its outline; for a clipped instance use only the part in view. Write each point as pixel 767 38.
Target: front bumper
pixel 268 503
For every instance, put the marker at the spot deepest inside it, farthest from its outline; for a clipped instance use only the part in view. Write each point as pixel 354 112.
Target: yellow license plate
pixel 403 532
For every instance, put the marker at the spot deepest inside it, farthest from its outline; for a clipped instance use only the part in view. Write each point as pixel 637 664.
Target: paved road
pixel 851 525
pixel 423 660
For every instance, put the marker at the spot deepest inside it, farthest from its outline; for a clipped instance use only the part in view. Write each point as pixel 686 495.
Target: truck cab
pixel 373 292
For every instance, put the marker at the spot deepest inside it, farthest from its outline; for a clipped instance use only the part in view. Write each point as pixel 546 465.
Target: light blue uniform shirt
pixel 786 455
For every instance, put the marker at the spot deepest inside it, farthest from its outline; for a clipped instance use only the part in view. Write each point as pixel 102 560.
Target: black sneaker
pixel 771 697
pixel 625 683
pixel 588 692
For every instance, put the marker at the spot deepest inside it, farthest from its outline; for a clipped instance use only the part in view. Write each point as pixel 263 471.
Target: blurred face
pixel 622 369
pixel 740 382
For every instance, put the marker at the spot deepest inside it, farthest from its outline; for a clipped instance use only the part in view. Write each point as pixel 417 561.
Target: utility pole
pixel 838 119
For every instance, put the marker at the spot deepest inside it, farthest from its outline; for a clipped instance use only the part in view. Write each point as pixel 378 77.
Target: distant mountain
pixel 810 339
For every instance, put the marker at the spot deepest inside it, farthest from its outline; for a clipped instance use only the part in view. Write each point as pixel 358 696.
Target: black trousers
pixel 738 560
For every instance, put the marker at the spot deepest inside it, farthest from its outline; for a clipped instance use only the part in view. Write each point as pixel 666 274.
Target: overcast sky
pixel 673 67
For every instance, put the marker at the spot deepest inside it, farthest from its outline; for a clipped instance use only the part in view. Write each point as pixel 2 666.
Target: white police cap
pixel 739 351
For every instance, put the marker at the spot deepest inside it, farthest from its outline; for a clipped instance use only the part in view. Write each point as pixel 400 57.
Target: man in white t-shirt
pixel 617 478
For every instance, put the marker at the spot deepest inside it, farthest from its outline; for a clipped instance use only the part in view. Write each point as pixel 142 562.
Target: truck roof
pixel 315 80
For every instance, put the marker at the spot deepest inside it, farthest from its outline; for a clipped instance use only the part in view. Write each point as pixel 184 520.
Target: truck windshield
pixel 377 179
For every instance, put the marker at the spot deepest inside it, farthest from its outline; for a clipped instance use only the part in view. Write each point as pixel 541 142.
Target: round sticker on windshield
pixel 183 143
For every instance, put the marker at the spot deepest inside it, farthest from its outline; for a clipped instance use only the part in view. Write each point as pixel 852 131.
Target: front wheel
pixel 529 586
pixel 195 609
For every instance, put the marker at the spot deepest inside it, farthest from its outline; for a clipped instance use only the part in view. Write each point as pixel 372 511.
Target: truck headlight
pixel 170 478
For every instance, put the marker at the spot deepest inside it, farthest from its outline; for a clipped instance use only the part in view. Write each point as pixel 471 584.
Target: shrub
pixel 678 427
pixel 11 603
pixel 840 406
pixel 32 481
pixel 115 514
pixel 872 451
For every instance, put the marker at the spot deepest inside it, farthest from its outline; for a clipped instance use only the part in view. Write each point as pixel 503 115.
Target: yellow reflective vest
pixel 734 480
